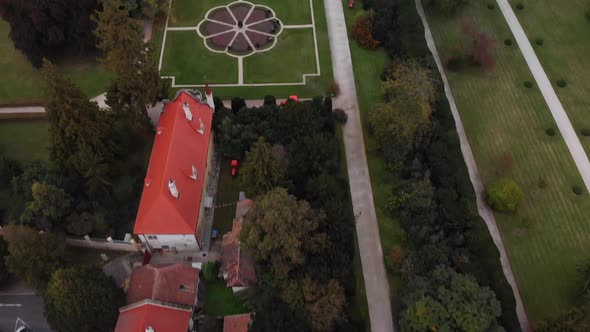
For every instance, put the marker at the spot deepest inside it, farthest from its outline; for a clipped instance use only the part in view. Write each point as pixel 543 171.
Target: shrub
pixel 528 84
pixel 561 83
pixel 270 100
pixel 550 132
pixel 334 89
pixel 585 132
pixel 362 31
pixel 481 47
pixel 539 41
pixel 519 6
pixel 491 6
pixel 210 270
pixel 340 116
pixel 504 195
pixel 543 183
pixel 508 42
pixel 578 190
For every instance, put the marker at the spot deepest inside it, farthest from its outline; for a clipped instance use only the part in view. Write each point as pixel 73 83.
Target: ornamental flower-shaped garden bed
pixel 240 28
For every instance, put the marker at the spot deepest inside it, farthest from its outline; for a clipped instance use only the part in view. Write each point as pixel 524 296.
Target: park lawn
pixel 368 65
pixel 502 117
pixel 221 301
pixel 290 12
pixel 228 190
pixel 564 54
pixel 281 63
pixel 186 13
pixel 22 84
pixel 25 140
pixel 187 58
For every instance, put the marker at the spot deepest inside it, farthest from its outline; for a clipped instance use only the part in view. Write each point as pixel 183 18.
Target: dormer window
pixel 195 174
pixel 201 127
pixel 159 130
pixel 173 190
pixel 187 112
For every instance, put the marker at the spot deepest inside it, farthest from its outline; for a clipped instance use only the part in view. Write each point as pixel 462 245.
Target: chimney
pixel 173 190
pixel 187 111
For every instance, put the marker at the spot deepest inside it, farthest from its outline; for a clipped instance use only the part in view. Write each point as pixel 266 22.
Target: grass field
pixel 564 52
pixel 292 56
pixel 24 140
pixel 501 118
pixel 21 83
pixel 228 190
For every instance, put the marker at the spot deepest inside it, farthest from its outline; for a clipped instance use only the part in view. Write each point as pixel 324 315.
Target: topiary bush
pixel 550 132
pixel 539 41
pixel 585 132
pixel 491 6
pixel 340 116
pixel 528 84
pixel 508 42
pixel 561 83
pixel 504 195
pixel 519 6
pixel 578 190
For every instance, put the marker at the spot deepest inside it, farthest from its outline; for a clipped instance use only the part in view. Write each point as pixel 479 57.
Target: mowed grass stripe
pixel 502 116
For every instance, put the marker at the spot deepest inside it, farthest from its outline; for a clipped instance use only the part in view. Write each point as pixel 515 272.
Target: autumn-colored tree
pixel 33 256
pixel 480 49
pixel 362 31
pixel 261 170
pixel 408 82
pixel 324 303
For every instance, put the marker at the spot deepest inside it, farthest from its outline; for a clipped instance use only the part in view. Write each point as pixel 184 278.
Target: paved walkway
pixel 559 115
pixel 376 284
pixel 484 211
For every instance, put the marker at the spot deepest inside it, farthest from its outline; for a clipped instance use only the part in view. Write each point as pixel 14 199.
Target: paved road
pixel 484 210
pixel 18 300
pixel 563 123
pixel 376 283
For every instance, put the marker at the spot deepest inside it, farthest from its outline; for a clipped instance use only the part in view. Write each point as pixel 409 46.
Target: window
pixel 187 112
pixel 165 247
pixel 152 237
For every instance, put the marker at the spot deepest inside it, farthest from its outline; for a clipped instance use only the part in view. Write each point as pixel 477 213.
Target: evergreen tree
pixel 261 170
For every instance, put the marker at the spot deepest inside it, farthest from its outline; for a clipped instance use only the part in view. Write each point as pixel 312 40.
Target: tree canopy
pixel 261 170
pixel 82 299
pixel 504 195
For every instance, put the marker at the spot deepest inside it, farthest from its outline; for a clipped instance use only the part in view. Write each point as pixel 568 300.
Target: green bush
pixel 210 270
pixel 561 83
pixel 578 190
pixel 528 84
pixel 585 132
pixel 504 195
pixel 491 6
pixel 519 6
pixel 539 41
pixel 508 42
pixel 550 131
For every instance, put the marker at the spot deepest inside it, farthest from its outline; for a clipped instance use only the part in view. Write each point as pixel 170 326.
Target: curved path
pixel 559 115
pixel 484 210
pixel 376 284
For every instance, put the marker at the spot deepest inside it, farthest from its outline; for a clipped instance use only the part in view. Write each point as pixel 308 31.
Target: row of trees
pixel 450 263
pixel 300 230
pixel 51 29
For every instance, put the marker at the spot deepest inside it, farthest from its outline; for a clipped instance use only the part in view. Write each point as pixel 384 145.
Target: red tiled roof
pixel 236 323
pixel 161 318
pixel 171 283
pixel 177 147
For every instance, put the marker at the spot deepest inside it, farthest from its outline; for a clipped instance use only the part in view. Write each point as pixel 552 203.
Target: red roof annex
pixel 167 283
pixel 161 318
pixel 180 147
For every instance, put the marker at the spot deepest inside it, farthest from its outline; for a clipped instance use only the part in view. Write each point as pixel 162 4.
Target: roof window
pixel 187 111
pixel 173 190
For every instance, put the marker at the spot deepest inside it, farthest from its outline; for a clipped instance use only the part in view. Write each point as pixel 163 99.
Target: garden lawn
pixel 228 190
pixel 187 58
pixel 368 65
pixel 22 84
pixel 185 13
pixel 502 117
pixel 25 140
pixel 221 301
pixel 282 63
pixel 564 52
pixel 290 12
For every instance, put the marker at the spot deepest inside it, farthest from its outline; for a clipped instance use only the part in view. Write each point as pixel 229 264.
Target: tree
pixel 324 303
pixel 261 170
pixel 49 201
pixel 449 301
pixel 50 28
pixel 138 80
pixel 76 124
pixel 3 253
pixel 481 47
pixel 409 80
pixel 281 231
pixel 362 30
pixel 33 256
pixel 82 299
pixel 504 195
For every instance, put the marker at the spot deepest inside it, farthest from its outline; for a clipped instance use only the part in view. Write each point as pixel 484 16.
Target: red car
pixel 292 97
pixel 234 167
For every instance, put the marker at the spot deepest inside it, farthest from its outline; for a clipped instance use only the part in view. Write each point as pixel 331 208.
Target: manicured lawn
pixel 502 117
pixel 21 83
pixel 190 12
pixel 290 12
pixel 221 301
pixel 228 190
pixel 368 66
pixel 24 140
pixel 281 64
pixel 564 52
